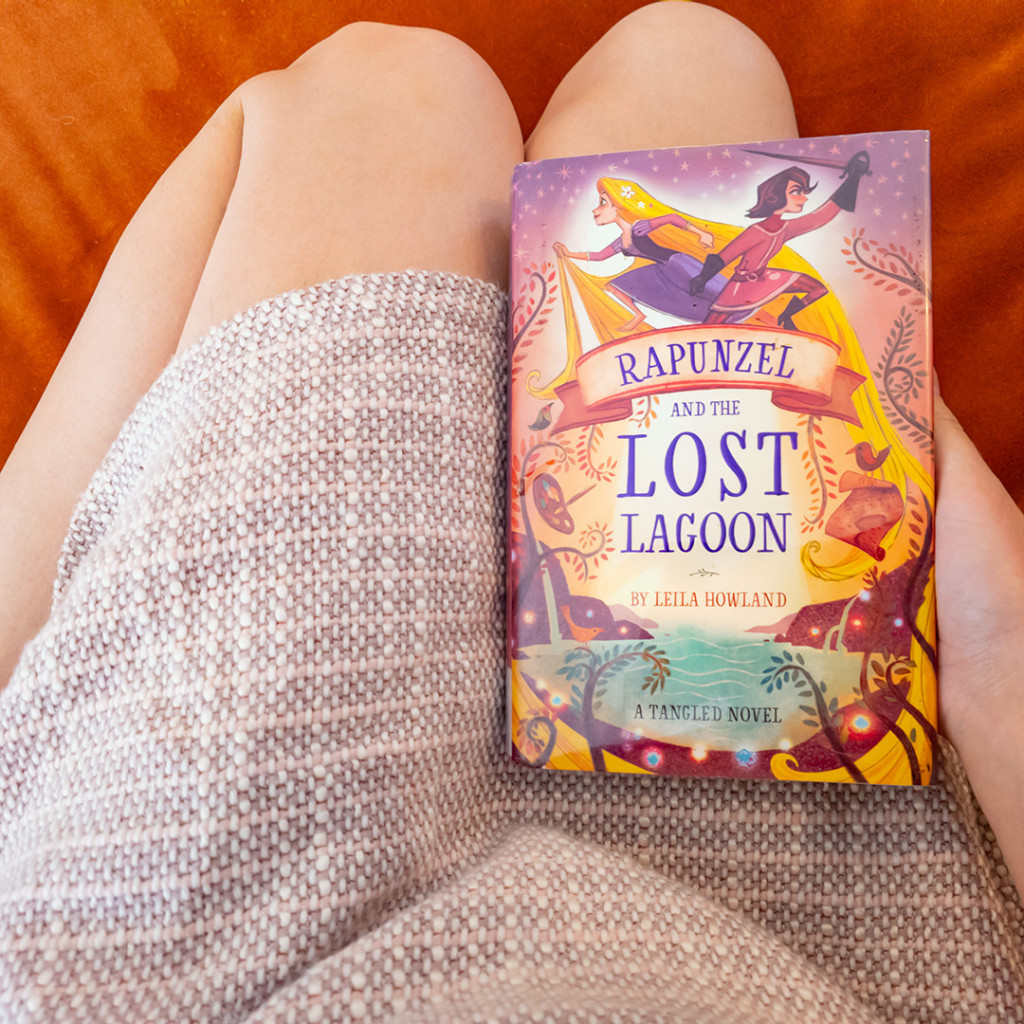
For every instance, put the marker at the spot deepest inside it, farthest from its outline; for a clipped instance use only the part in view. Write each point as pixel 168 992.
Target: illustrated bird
pixel 543 418
pixel 582 634
pixel 866 456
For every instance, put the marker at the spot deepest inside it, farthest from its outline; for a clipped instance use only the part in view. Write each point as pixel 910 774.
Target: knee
pixel 435 67
pixel 377 41
pixel 709 37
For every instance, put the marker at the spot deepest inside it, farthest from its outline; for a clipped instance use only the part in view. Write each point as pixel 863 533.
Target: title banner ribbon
pixel 801 370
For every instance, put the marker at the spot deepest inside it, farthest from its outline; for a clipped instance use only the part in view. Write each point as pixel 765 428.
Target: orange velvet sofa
pixel 96 99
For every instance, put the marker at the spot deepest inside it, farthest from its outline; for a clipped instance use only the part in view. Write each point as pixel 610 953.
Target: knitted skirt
pixel 252 768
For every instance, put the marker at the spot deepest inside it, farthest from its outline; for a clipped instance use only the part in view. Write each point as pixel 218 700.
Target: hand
pixel 857 166
pixel 706 239
pixel 979 578
pixel 560 249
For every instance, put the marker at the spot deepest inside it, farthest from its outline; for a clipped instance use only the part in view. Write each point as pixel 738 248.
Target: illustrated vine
pixel 591 672
pixel 904 377
pixel 787 669
pixel 586 446
pixel 819 470
pixel 595 542
pixel 886 266
pixel 533 307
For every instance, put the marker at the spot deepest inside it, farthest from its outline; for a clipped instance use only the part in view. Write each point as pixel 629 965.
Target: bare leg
pixel 638 316
pixel 670 74
pixel 380 149
pixel 350 167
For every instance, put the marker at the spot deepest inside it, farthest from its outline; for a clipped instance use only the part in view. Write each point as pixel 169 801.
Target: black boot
pixel 712 265
pixel 786 316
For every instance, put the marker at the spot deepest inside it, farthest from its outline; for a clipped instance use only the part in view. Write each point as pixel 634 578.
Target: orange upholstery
pixel 95 100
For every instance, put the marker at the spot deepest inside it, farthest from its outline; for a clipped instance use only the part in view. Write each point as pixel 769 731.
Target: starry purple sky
pixel 554 198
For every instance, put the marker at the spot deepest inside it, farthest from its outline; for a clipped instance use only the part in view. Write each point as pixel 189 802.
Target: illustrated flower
pixel 628 191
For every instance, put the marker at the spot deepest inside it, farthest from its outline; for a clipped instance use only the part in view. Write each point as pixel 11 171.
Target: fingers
pixel 979 558
pixel 961 473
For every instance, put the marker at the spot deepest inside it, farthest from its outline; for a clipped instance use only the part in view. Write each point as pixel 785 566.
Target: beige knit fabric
pixel 253 766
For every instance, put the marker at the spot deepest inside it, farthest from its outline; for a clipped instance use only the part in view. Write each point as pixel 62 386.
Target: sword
pixel 815 160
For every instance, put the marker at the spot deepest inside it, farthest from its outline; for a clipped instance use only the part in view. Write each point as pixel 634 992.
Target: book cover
pixel 720 474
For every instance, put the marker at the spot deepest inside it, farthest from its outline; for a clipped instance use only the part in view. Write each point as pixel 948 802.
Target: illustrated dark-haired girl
pixel 753 283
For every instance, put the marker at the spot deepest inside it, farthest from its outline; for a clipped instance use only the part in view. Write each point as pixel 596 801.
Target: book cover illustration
pixel 721 497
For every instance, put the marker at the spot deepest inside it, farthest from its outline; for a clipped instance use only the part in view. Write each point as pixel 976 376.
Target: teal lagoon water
pixel 714 695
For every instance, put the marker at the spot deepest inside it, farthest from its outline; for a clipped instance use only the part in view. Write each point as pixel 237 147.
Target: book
pixel 720 474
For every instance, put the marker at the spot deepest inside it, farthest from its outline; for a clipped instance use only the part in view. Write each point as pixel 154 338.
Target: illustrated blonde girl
pixel 664 283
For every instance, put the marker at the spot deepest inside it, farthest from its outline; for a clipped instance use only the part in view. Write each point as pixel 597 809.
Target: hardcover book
pixel 720 475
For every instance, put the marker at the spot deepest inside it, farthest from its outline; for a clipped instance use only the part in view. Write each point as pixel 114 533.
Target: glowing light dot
pixel 815 631
pixel 897 623
pixel 785 745
pixel 623 630
pixel 861 723
pixel 865 595
pixel 699 754
pixel 590 613
pixel 529 618
pixel 653 758
pixel 856 622
pixel 557 701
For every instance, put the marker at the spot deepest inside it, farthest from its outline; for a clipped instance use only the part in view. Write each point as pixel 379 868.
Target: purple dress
pixel 663 284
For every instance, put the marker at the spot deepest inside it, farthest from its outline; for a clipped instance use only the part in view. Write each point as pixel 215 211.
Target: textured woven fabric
pixel 253 766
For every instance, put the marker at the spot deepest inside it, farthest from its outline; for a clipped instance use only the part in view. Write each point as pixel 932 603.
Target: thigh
pixel 381 149
pixel 671 74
